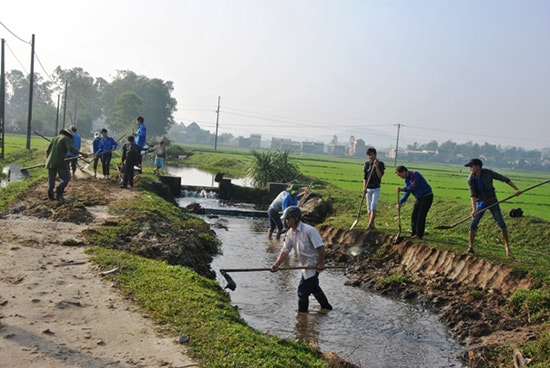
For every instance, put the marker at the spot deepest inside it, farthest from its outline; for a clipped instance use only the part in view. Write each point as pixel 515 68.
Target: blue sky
pixel 462 70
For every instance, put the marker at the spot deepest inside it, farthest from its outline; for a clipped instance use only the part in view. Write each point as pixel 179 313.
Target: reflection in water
pixel 306 328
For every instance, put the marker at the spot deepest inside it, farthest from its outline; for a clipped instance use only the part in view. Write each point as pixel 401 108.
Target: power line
pixel 42 66
pixel 16 58
pixel 13 34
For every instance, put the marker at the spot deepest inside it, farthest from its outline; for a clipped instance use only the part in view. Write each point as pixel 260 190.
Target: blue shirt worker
pixel 95 148
pixel 286 198
pixel 421 190
pixel 310 249
pixel 73 158
pixel 483 196
pixel 106 147
pixel 141 134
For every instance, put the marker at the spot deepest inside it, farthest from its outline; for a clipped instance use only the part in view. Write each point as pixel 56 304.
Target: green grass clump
pixel 188 304
pixel 533 305
pixel 394 280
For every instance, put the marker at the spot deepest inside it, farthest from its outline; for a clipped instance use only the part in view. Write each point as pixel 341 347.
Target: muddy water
pixel 364 328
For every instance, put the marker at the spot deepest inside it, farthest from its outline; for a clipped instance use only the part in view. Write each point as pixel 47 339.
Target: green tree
pixel 126 110
pixel 84 104
pixel 157 105
pixel 271 166
pixel 17 102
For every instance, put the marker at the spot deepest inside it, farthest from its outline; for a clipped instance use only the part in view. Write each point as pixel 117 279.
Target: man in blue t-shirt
pixel 141 134
pixel 73 158
pixel 421 190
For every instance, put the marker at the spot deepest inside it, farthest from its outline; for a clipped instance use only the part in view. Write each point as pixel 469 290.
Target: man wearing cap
pixel 286 198
pixel 483 196
pixel 310 249
pixel 77 141
pixel 56 165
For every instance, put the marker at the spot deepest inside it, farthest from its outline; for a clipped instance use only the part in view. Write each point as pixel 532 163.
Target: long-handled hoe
pixel 231 285
pixel 445 227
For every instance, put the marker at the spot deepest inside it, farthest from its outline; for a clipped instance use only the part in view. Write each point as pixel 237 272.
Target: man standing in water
pixel 307 243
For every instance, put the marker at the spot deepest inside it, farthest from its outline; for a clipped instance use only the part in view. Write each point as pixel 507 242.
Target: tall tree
pixel 18 101
pixel 157 105
pixel 84 104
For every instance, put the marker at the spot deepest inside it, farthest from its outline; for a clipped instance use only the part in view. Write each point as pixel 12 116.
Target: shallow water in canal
pixel 364 328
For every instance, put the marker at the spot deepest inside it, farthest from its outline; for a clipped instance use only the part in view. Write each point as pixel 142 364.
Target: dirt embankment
pixel 469 293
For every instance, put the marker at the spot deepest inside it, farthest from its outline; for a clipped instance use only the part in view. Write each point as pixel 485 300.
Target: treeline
pixel 74 97
pixel 491 154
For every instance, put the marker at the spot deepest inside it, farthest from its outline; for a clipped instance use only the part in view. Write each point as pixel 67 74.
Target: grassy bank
pixel 189 305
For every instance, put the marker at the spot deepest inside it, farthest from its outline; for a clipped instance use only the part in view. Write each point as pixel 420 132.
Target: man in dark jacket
pixel 131 156
pixel 373 170
pixel 483 195
pixel 56 164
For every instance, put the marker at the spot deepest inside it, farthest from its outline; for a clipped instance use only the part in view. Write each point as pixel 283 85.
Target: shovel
pixel 359 212
pixel 445 227
pixel 398 219
pixel 25 170
pixel 231 285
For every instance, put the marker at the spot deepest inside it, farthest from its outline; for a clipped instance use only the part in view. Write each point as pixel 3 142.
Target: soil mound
pixel 469 293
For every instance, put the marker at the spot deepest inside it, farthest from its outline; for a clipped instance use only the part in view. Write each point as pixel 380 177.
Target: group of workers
pixel 65 149
pixel 309 247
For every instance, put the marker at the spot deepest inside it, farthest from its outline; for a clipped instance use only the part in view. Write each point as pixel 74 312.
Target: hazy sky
pixel 464 70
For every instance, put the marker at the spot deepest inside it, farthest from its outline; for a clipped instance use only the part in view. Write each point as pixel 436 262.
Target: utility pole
pixel 396 145
pixel 217 124
pixel 29 118
pixel 65 104
pixel 57 116
pixel 2 99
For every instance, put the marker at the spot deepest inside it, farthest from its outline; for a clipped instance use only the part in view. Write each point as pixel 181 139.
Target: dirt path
pixel 55 309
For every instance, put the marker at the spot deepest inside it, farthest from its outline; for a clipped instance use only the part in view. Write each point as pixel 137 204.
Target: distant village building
pixel 194 134
pixel 358 148
pixel 253 142
pixel 412 154
pixel 282 144
pixel 313 147
pixel 337 150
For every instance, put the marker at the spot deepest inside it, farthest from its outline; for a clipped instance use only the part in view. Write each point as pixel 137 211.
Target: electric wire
pixel 13 34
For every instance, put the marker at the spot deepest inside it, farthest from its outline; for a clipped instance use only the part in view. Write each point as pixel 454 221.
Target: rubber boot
pixel 322 299
pixel 303 305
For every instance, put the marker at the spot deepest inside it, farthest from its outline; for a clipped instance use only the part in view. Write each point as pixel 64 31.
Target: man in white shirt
pixel 308 245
